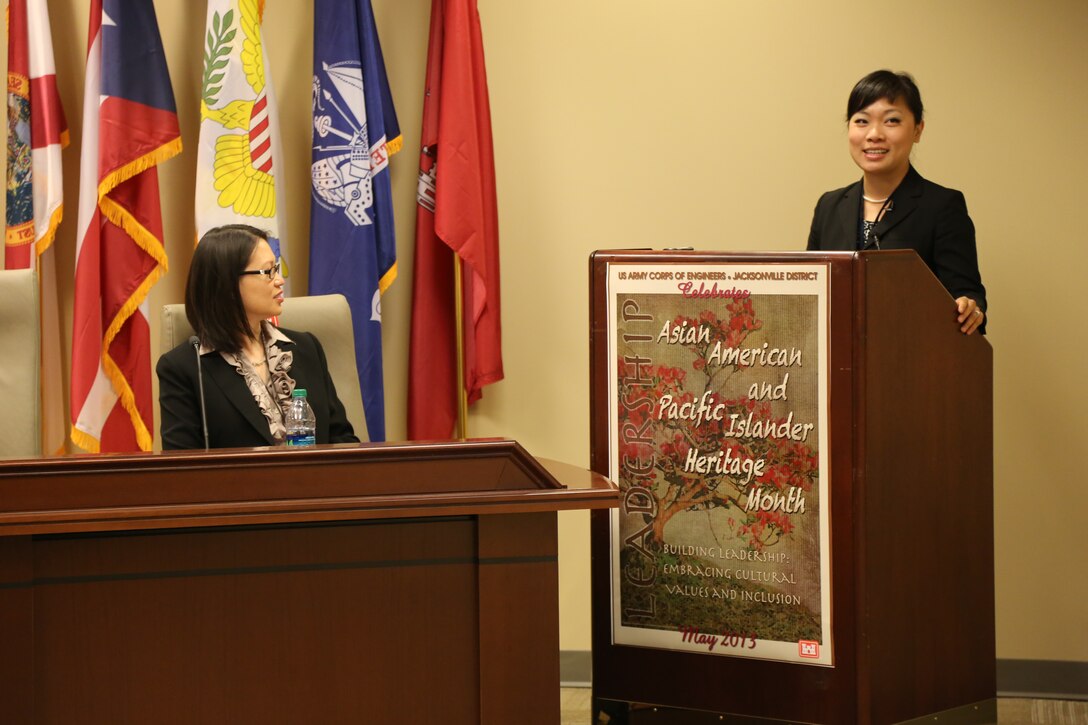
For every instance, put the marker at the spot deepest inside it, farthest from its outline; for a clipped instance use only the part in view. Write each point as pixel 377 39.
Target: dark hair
pixel 888 86
pixel 213 300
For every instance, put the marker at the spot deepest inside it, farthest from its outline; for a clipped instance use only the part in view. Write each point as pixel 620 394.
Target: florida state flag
pixel 37 131
pixel 456 212
pixel 129 126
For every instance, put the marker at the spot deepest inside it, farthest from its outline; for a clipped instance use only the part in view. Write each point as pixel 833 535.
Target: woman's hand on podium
pixel 971 315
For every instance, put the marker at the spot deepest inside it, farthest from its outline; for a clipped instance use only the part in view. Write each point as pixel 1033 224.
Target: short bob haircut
pixel 885 85
pixel 213 299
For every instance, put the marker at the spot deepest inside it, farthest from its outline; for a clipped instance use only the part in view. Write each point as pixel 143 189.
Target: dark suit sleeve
pixel 340 429
pixel 824 218
pixel 814 230
pixel 179 404
pixel 955 255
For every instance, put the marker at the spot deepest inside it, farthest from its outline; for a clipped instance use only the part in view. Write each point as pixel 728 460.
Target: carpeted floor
pixel 575 705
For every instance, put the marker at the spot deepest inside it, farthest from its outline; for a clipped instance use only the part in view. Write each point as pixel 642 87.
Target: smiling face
pixel 261 298
pixel 881 138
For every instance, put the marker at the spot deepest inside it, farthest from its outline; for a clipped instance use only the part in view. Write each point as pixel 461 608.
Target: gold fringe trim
pixel 387 279
pixel 147 241
pixel 152 158
pixel 153 246
pixel 86 441
pixel 51 231
pixel 128 401
pixel 64 139
pixel 395 145
pixel 144 239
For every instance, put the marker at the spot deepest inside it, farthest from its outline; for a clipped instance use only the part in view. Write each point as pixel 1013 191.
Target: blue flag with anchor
pixel 352 244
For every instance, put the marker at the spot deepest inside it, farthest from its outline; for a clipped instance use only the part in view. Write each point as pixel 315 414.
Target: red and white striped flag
pixel 37 131
pixel 130 125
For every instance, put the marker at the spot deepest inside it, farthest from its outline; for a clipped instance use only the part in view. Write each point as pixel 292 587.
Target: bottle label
pixel 301 439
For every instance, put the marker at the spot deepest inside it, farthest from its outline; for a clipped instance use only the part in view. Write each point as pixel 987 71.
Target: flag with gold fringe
pixel 37 131
pixel 130 126
pixel 353 247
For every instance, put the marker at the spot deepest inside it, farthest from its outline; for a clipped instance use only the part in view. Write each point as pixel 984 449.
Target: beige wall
pixel 716 124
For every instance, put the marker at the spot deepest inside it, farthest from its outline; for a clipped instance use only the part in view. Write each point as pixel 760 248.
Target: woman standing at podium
pixel 892 206
pixel 247 367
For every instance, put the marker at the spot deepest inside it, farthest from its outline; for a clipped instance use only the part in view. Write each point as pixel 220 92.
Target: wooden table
pixel 382 583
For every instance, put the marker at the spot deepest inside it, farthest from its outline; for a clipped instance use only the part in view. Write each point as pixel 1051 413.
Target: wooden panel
pixel 16 629
pixel 927 467
pixel 313 624
pixel 519 619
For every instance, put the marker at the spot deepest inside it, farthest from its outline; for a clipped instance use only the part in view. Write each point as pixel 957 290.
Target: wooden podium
pixel 384 583
pixel 911 519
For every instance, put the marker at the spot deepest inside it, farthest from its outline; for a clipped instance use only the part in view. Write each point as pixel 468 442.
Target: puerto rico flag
pixel 239 177
pixel 130 126
pixel 353 248
pixel 37 131
pixel 456 212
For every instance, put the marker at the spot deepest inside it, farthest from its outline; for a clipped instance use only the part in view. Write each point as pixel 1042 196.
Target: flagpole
pixel 459 317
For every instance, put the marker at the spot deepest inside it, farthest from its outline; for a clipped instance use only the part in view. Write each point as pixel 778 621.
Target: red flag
pixel 457 212
pixel 37 131
pixel 129 127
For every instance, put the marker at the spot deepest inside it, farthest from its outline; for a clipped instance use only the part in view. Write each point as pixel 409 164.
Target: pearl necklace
pixel 261 363
pixel 875 201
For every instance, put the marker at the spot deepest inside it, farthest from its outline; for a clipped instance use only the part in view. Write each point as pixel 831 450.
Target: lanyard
pixel 872 237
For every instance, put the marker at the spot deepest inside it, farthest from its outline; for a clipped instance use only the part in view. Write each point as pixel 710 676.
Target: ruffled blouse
pixel 273 397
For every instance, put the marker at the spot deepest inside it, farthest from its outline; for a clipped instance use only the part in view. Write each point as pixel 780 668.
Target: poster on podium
pixel 718 439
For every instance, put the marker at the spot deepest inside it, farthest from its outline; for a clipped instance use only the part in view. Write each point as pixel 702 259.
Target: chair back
pixel 326 316
pixel 20 364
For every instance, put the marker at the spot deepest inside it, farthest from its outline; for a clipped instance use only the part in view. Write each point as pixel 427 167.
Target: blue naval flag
pixel 355 131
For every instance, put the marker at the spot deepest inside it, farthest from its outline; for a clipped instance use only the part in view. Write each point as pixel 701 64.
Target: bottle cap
pixel 298 393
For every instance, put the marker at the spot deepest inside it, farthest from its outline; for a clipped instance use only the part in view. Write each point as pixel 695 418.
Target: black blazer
pixel 234 418
pixel 924 216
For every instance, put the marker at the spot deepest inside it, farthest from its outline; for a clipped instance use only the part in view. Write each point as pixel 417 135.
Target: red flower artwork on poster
pixel 717 450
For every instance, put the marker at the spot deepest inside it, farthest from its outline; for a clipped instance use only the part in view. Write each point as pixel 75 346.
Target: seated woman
pixel 249 366
pixel 893 207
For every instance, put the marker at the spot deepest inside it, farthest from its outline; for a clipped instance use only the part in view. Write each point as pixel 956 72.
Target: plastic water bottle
pixel 300 422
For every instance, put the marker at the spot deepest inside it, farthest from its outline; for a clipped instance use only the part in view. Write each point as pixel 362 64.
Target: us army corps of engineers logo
pixel 342 173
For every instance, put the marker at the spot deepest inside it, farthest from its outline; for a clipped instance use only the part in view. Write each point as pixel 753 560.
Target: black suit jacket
pixel 923 216
pixel 234 418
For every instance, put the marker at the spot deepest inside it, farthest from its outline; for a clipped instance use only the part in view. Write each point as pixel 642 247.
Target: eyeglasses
pixel 269 274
